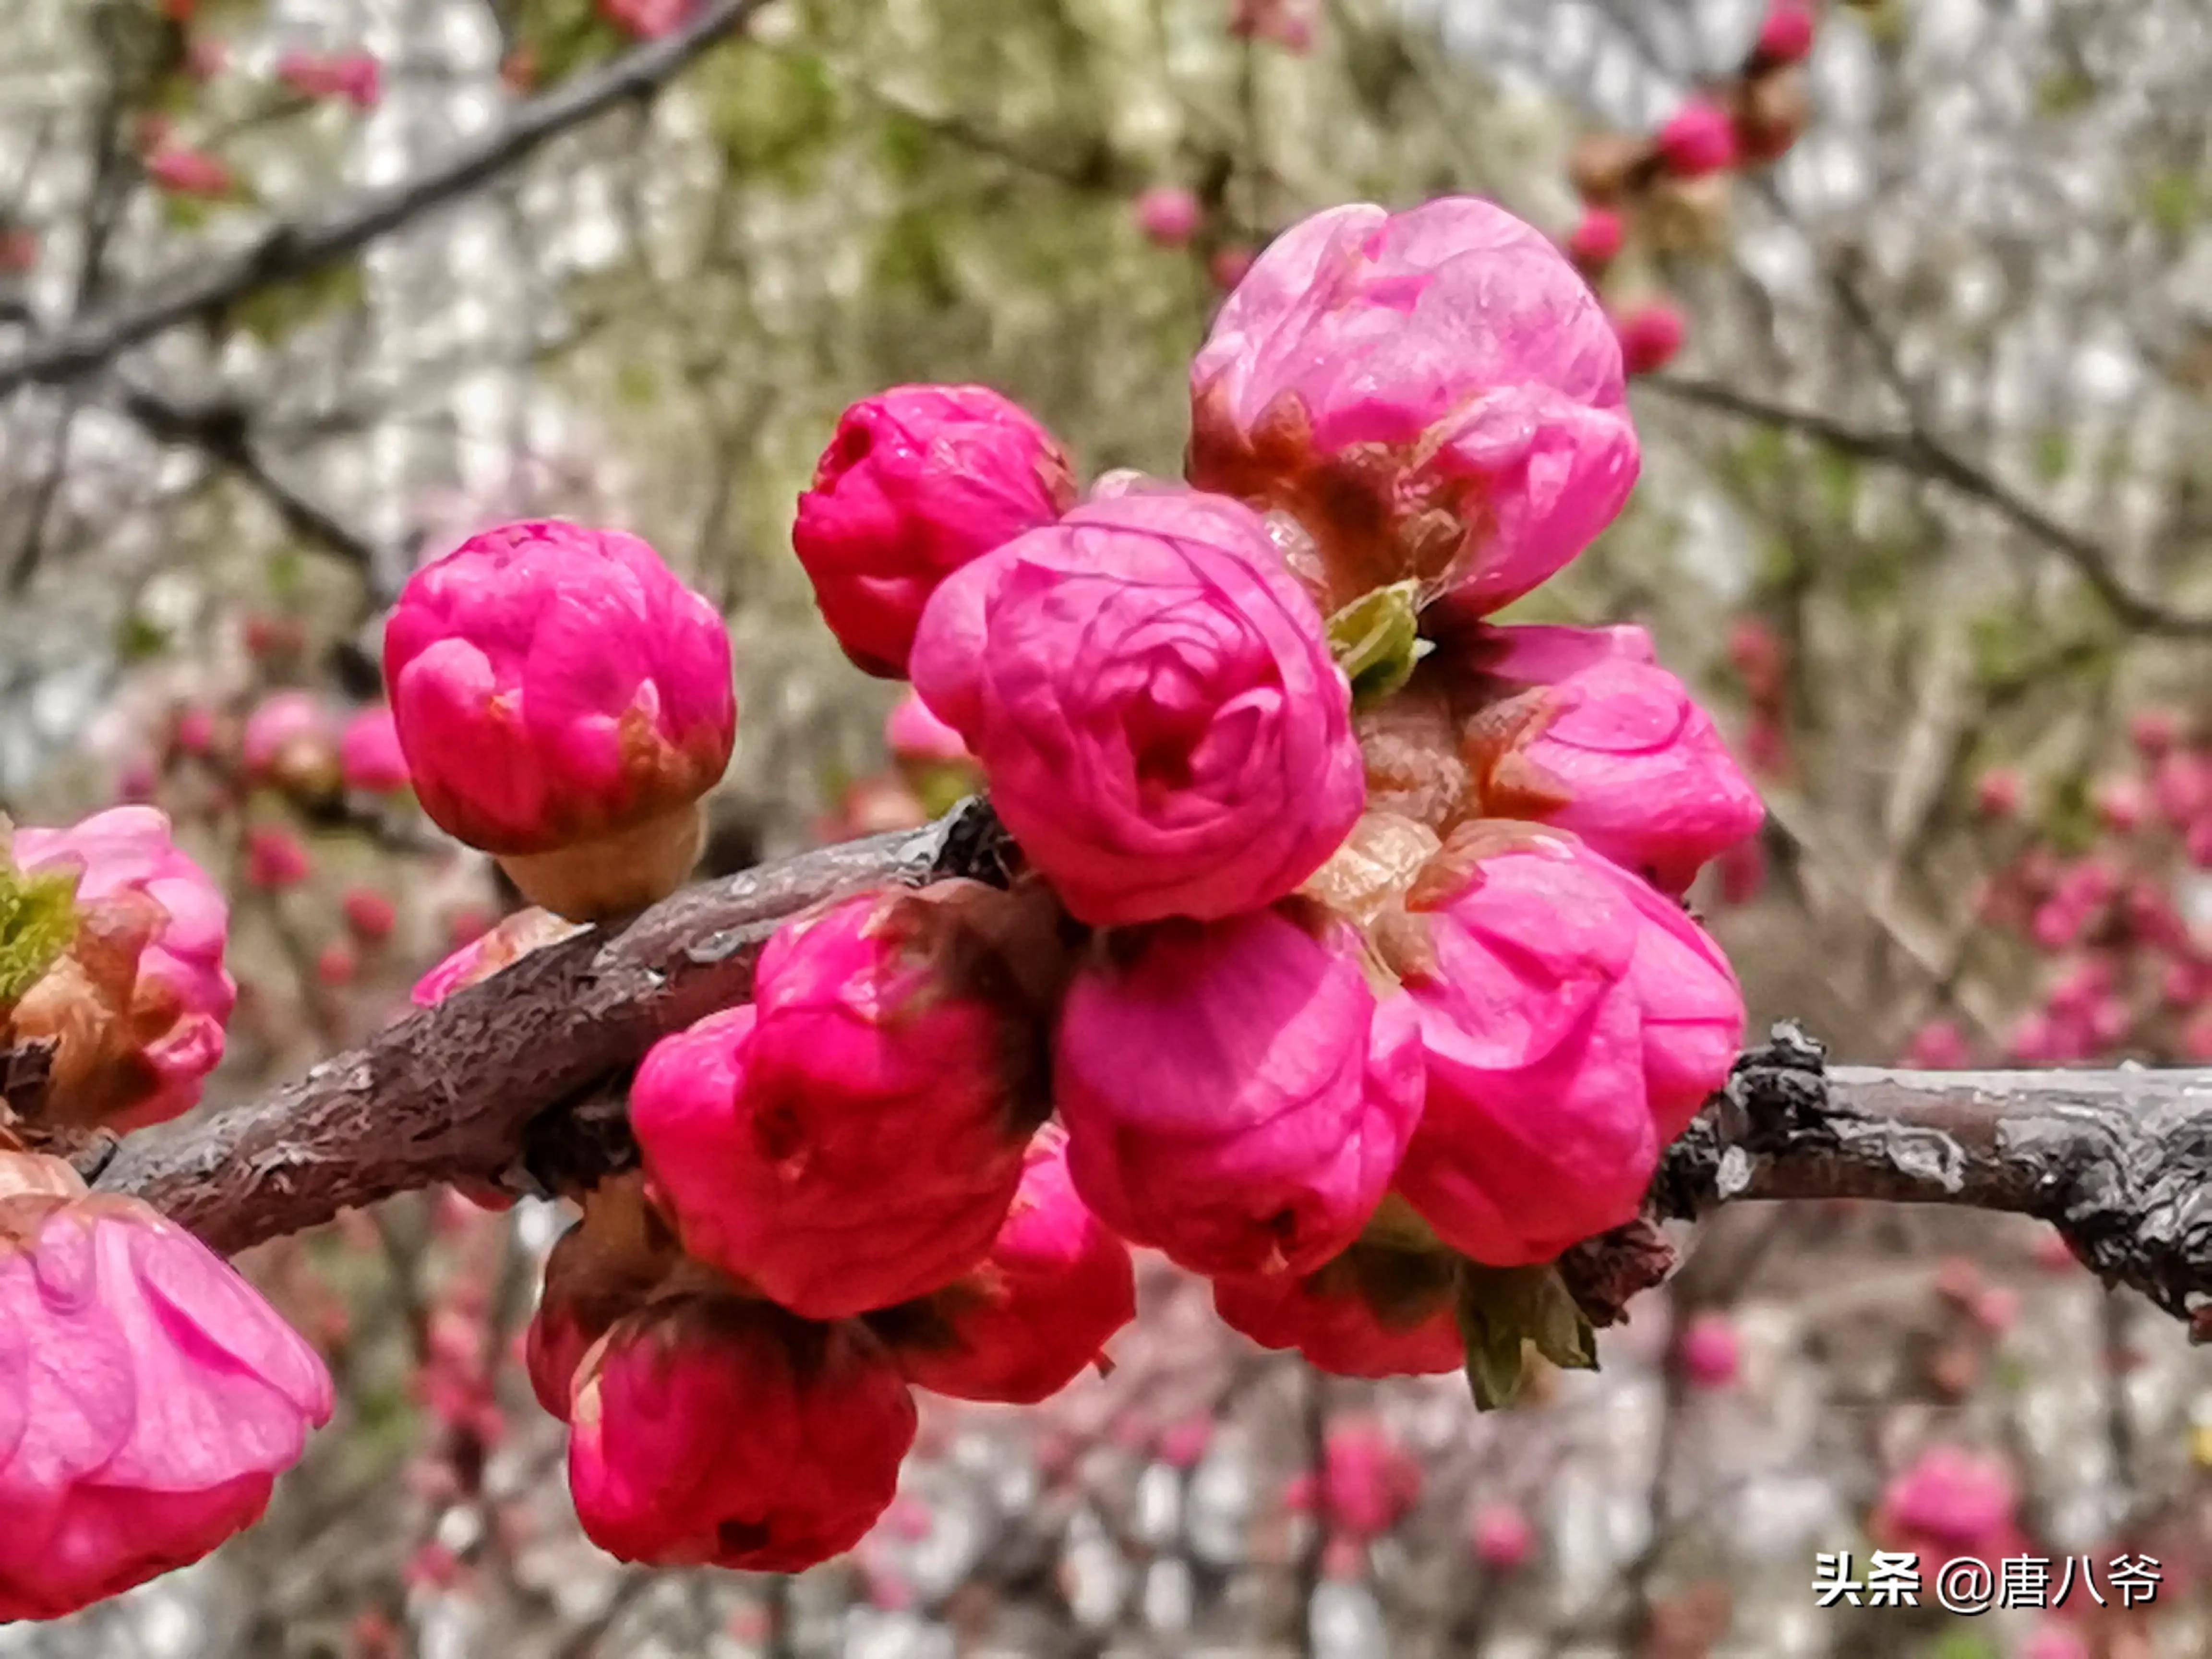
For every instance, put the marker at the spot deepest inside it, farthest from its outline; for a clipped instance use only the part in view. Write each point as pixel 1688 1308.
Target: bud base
pixel 614 875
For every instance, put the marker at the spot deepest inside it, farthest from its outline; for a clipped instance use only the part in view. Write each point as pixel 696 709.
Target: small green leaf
pixel 1376 639
pixel 1504 1310
pixel 38 921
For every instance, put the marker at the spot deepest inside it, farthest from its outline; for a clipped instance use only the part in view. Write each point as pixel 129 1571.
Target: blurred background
pixel 1926 517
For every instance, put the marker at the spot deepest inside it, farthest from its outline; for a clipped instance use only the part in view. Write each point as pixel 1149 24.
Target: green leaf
pixel 1376 639
pixel 1504 1311
pixel 38 921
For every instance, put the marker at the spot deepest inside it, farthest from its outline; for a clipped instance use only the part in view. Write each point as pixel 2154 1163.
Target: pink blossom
pixel 1501 1537
pixel 148 1398
pixel 1369 1482
pixel 1286 23
pixel 1153 701
pixel 2121 803
pixel 1585 730
pixel 919 481
pixel 1168 214
pixel 369 757
pixel 2181 784
pixel 1711 1354
pixel 855 1138
pixel 1435 394
pixel 182 170
pixel 336 964
pixel 1650 335
pixel 1372 1312
pixel 1595 242
pixel 913 734
pixel 1037 1312
pixel 1697 138
pixel 195 730
pixel 1230 266
pixel 1952 1502
pixel 1785 36
pixel 478 958
pixel 645 20
pixel 602 1269
pixel 1573 1021
pixel 141 1000
pixel 708 1430
pixel 276 859
pixel 354 75
pixel 1938 1046
pixel 288 740
pixel 1235 1094
pixel 1182 1445
pixel 558 692
pixel 2155 731
pixel 369 914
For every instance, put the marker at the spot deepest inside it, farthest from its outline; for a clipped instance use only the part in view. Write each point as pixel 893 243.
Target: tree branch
pixel 1916 451
pixel 291 249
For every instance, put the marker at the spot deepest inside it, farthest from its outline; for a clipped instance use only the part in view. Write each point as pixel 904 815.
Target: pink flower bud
pixel 1153 701
pixel 1373 1311
pixel 369 758
pixel 336 963
pixel 1785 36
pixel 1369 1482
pixel 1573 1020
pixel 1169 215
pixel 562 700
pixel 645 20
pixel 919 481
pixel 1182 1445
pixel 2121 803
pixel 1286 23
pixel 288 742
pixel 2155 731
pixel 1650 335
pixel 1951 1501
pixel 354 75
pixel 1435 394
pixel 148 1398
pixel 2181 784
pixel 855 1138
pixel 1596 241
pixel 1712 1355
pixel 140 999
pixel 712 1430
pixel 183 171
pixel 204 58
pixel 1037 1311
pixel 480 958
pixel 369 914
pixel 1697 138
pixel 276 859
pixel 1235 1094
pixel 1502 1538
pixel 1938 1046
pixel 601 1270
pixel 1999 792
pixel 195 730
pixel 1230 266
pixel 1589 733
pixel 913 734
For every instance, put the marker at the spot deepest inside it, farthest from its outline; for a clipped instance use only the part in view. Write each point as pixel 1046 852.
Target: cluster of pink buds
pixel 1666 190
pixel 356 76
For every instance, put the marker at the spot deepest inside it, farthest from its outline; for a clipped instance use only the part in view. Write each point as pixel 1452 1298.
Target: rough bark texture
pixel 518 1081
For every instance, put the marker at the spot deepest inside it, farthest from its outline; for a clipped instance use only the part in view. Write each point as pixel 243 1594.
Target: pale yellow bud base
pixel 617 875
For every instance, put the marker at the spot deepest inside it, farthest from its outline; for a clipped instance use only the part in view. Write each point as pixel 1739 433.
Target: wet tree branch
pixel 518 1081
pixel 290 250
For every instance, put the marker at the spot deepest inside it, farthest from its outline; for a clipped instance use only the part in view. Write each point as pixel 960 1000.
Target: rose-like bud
pixel 369 914
pixel 139 999
pixel 1435 394
pixel 1235 1094
pixel 353 75
pixel 195 730
pixel 1710 1354
pixel 919 481
pixel 276 859
pixel 562 702
pixel 1025 1324
pixel 369 757
pixel 1587 731
pixel 1697 138
pixel 1169 215
pixel 288 742
pixel 1785 36
pixel 602 1270
pixel 853 1139
pixel 1573 1020
pixel 1938 1046
pixel 2155 731
pixel 1999 791
pixel 1595 242
pixel 1230 266
pixel 710 1431
pixel 1373 1311
pixel 335 965
pixel 1651 336
pixel 183 171
pixel 148 1397
pixel 1153 701
pixel 1501 1537
pixel 479 959
pixel 1369 1482
pixel 1952 1501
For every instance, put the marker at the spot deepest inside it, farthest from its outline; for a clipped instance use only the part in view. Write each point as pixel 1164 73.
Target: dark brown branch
pixel 287 251
pixel 1915 451
pixel 2119 1162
